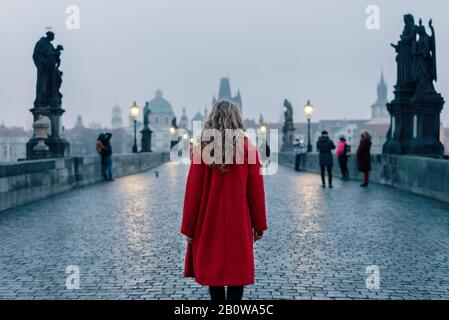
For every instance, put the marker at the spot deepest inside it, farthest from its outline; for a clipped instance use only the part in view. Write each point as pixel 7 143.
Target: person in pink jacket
pixel 343 152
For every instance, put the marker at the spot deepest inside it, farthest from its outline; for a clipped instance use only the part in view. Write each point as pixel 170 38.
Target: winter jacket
pixel 364 155
pixel 325 146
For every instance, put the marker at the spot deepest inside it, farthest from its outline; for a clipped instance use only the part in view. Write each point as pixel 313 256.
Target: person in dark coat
pixel 325 146
pixel 101 149
pixel 106 156
pixel 300 150
pixel 364 157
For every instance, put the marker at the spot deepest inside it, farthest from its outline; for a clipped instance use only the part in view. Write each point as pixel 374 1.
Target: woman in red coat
pixel 224 208
pixel 364 157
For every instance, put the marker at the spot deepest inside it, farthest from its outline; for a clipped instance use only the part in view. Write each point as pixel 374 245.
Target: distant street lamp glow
pixel 134 112
pixel 172 130
pixel 135 109
pixel 263 129
pixel 308 109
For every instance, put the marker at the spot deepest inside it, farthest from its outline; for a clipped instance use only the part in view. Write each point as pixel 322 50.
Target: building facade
pixel 13 143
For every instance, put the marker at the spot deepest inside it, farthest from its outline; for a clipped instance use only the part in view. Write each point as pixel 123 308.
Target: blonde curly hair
pixel 225 118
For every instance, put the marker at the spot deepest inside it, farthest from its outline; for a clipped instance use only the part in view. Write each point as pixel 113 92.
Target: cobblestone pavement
pixel 124 236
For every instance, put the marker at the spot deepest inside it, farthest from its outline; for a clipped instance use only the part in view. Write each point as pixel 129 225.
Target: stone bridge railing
pixel 28 181
pixel 424 176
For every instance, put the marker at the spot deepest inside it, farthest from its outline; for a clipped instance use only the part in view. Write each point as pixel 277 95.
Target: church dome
pixel 159 104
pixel 198 117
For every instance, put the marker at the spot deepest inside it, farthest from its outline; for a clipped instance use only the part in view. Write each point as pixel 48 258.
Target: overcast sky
pixel 271 49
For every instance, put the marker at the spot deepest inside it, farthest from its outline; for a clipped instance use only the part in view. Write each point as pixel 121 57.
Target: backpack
pixel 100 147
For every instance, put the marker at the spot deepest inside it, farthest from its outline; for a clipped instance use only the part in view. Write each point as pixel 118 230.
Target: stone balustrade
pixel 421 175
pixel 29 181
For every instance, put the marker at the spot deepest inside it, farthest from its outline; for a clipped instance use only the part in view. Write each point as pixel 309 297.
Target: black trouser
pixel 218 293
pixel 298 161
pixel 343 162
pixel 323 173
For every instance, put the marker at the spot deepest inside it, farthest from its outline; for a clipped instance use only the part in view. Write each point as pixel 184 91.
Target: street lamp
pixel 308 109
pixel 134 110
pixel 173 129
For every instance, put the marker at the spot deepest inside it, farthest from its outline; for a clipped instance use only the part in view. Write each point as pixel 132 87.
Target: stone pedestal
pixel 58 147
pixel 426 125
pixel 401 127
pixel 415 123
pixel 287 141
pixel 146 140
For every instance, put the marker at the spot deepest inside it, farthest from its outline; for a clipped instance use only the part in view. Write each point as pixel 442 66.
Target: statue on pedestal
pixel 47 60
pixel 424 67
pixel 415 110
pixel 48 102
pixel 146 131
pixel 289 128
pixel 404 50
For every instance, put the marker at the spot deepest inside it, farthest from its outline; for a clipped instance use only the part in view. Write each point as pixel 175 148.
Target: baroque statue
pixel 47 60
pixel 288 128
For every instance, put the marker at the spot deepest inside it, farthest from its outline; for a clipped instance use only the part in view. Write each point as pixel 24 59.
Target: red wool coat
pixel 220 212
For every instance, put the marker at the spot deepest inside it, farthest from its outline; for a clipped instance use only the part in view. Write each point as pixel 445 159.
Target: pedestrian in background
pixel 104 149
pixel 325 146
pixel 224 212
pixel 101 149
pixel 265 153
pixel 300 149
pixel 108 156
pixel 343 152
pixel 364 157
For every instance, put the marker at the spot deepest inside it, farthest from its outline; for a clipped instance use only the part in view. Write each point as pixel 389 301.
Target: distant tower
pixel 379 108
pixel 116 121
pixel 79 122
pixel 184 121
pixel 224 93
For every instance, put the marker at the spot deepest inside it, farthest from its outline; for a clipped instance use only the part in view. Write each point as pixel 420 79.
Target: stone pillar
pixel 58 146
pixel 146 140
pixel 401 127
pixel 426 125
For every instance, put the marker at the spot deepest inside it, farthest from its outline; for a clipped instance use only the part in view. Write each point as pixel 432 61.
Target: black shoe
pixel 323 186
pixel 364 185
pixel 331 186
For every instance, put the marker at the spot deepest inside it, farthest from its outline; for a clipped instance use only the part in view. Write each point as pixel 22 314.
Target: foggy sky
pixel 271 50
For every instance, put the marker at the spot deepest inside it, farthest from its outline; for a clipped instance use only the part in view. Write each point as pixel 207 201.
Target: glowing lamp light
pixel 134 110
pixel 308 109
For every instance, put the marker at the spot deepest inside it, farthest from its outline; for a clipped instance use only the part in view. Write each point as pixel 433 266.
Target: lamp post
pixel 308 109
pixel 134 110
pixel 172 130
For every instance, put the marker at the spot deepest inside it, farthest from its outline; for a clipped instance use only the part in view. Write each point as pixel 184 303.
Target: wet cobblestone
pixel 124 236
